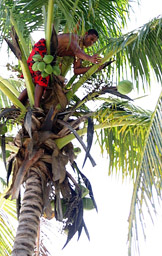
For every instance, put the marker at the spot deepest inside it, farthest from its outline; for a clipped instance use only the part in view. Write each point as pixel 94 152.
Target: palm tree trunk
pixel 29 217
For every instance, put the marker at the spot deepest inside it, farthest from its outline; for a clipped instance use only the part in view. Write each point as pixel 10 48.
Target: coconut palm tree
pixel 43 145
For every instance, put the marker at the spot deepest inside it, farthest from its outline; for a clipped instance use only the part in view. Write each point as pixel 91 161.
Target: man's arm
pixel 95 59
pixel 78 52
pixel 78 69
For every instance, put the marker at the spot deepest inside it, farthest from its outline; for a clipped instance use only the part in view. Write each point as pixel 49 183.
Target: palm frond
pixel 4 101
pixel 2 181
pixel 106 16
pixel 122 119
pixel 147 46
pixel 144 43
pixel 49 24
pixel 20 46
pixel 7 231
pixel 7 90
pixel 123 138
pixel 55 229
pixel 148 173
pixel 9 86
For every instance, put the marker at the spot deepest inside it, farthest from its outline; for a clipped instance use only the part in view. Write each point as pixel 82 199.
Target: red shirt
pixel 39 48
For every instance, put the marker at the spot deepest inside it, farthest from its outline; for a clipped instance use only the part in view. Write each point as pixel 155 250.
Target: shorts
pixel 39 48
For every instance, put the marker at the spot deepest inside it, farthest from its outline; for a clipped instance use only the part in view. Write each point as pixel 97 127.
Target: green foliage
pixel 126 48
pixel 148 174
pixel 123 139
pixel 6 88
pixel 66 64
pixel 7 231
pixel 147 47
pixel 105 16
pixel 3 129
pixel 17 86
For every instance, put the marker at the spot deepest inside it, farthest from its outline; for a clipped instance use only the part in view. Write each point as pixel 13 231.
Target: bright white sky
pixel 108 228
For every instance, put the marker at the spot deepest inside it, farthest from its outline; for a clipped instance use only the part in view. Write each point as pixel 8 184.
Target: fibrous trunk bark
pixel 29 217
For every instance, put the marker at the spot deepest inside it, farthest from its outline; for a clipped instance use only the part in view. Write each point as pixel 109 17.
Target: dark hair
pixel 93 32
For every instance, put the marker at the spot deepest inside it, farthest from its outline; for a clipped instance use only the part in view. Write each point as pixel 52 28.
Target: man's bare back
pixel 65 44
pixel 68 45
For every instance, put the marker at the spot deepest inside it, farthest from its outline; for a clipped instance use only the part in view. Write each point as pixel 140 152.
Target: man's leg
pixel 38 95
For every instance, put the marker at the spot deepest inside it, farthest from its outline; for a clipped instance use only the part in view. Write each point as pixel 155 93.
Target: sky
pixel 109 227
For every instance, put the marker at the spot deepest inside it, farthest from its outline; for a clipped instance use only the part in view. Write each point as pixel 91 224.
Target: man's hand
pixel 95 59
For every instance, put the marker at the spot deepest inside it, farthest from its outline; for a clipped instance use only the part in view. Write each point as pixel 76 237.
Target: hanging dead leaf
pixel 9 169
pixel 14 45
pixel 46 201
pixel 28 122
pixel 58 204
pixel 65 189
pixel 48 122
pixel 18 138
pixel 90 132
pixel 18 205
pixel 73 123
pixel 36 124
pixel 15 167
pixel 74 215
pixel 69 151
pixel 87 183
pixel 50 98
pixel 54 44
pixel 3 148
pixel 61 96
pixel 46 159
pixel 79 139
pixel 113 90
pixel 58 166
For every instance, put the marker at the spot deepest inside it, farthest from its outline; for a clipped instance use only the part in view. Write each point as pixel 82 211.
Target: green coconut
pixel 48 59
pixel 125 87
pixel 88 204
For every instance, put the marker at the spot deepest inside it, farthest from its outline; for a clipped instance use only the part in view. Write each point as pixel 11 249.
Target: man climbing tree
pixel 68 45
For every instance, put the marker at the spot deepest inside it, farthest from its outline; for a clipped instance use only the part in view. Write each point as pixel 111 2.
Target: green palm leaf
pixel 2 181
pixel 8 90
pixel 7 231
pixel 148 173
pixel 107 17
pixel 118 121
pixel 123 138
pixel 147 47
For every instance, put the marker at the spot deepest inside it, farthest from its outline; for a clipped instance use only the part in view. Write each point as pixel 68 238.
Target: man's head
pixel 90 37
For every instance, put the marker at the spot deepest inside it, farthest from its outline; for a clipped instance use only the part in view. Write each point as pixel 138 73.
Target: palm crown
pixel 130 135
